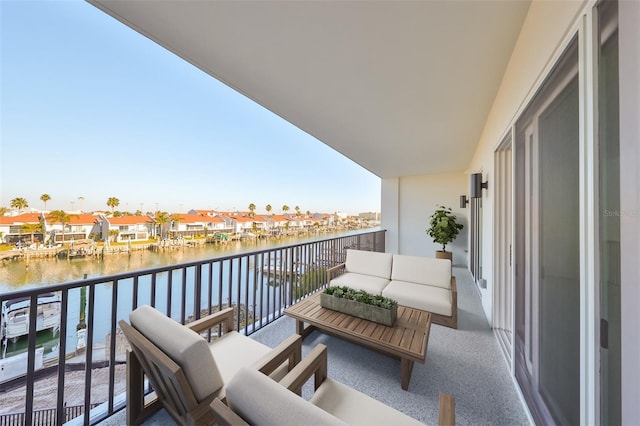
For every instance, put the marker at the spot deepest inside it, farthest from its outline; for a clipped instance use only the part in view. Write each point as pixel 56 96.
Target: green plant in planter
pixel 361 296
pixel 443 227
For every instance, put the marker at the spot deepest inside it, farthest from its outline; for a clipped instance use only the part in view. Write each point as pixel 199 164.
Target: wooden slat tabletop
pixel 407 338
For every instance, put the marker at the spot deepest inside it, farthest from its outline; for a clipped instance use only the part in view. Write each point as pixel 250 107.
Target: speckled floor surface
pixel 466 363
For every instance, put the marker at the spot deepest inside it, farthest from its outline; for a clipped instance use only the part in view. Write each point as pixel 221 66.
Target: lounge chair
pixel 186 371
pixel 252 398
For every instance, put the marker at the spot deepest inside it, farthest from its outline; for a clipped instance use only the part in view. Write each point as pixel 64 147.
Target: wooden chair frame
pixel 315 363
pixel 173 391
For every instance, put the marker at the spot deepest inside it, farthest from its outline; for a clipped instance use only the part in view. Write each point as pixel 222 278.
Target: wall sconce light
pixel 477 184
pixel 463 201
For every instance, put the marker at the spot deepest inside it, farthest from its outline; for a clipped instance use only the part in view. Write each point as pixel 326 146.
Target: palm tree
pixel 114 233
pixel 252 208
pixel 19 203
pixel 3 210
pixel 80 199
pixel 285 208
pixel 60 216
pixel 268 208
pixel 31 228
pixel 44 198
pixel 297 209
pixel 161 218
pixel 113 202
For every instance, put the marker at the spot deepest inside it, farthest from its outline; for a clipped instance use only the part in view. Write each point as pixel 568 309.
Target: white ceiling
pixel 400 87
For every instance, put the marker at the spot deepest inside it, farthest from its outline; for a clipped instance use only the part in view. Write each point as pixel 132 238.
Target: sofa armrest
pixel 290 349
pixel 224 317
pixel 224 415
pixel 334 271
pixel 314 363
pixel 446 410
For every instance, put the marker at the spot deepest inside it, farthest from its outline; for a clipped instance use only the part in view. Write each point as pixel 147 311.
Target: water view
pixel 266 295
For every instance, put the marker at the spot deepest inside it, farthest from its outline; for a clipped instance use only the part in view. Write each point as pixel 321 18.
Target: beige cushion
pixel 356 408
pixel 234 351
pixel 260 400
pixel 185 347
pixel 422 270
pixel 425 297
pixel 368 283
pixel 369 263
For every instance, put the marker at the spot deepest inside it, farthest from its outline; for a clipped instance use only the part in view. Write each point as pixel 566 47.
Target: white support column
pixel 629 53
pixel 390 220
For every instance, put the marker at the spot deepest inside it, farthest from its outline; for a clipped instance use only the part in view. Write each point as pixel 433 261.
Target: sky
pixel 91 109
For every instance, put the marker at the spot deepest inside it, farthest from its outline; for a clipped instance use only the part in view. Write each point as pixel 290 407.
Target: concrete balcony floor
pixel 466 363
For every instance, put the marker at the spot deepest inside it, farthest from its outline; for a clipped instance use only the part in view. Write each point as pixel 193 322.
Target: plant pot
pixel 444 255
pixel 360 310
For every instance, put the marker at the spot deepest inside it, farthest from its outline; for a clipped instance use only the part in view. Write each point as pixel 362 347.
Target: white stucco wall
pixel 546 31
pixel 414 199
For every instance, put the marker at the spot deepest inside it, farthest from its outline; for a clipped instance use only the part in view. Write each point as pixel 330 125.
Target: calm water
pixel 19 275
pixel 38 273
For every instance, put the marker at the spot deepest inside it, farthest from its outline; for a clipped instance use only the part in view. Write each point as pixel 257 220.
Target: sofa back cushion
pixel 185 347
pixel 369 263
pixel 260 400
pixel 422 270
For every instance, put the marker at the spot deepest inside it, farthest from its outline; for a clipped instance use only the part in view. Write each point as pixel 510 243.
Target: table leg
pixel 406 367
pixel 302 330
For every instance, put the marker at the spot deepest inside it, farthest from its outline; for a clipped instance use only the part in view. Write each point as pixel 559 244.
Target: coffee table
pixel 407 339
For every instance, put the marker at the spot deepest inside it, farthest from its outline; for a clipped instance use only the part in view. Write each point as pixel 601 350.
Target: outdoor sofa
pixel 419 282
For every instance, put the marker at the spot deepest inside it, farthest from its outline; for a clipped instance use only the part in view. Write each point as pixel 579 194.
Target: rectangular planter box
pixel 360 310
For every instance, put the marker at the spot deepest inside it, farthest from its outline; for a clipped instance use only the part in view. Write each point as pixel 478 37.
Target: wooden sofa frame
pixel 448 321
pixel 315 363
pixel 172 389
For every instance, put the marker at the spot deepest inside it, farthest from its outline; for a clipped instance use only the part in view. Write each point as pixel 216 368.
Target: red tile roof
pixel 129 220
pixel 196 218
pixel 20 219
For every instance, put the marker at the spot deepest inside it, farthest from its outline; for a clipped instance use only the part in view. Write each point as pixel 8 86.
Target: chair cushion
pixel 425 297
pixel 368 283
pixel 422 270
pixel 185 347
pixel 234 350
pixel 355 408
pixel 369 263
pixel 260 400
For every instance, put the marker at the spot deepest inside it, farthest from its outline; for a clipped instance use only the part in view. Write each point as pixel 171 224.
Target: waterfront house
pixel 80 226
pixel 191 225
pixel 243 222
pixel 18 228
pixel 276 223
pixel 521 116
pixel 126 228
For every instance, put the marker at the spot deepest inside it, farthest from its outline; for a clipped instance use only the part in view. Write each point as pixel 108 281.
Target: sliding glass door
pixel 547 248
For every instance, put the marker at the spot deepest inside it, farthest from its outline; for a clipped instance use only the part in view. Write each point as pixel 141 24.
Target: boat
pixel 16 366
pixel 15 315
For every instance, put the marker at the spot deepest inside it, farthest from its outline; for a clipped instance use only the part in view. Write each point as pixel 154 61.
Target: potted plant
pixel 443 228
pixel 360 304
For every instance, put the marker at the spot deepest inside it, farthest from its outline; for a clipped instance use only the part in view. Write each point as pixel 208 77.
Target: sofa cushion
pixel 184 346
pixel 425 297
pixel 368 283
pixel 260 400
pixel 369 263
pixel 355 408
pixel 234 350
pixel 422 270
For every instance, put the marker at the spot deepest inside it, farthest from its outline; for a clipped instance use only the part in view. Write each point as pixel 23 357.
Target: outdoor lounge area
pixel 466 363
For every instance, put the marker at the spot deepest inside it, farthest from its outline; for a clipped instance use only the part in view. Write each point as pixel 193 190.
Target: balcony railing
pixel 260 284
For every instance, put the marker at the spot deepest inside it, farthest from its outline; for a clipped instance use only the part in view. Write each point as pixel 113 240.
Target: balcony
pixel 467 363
